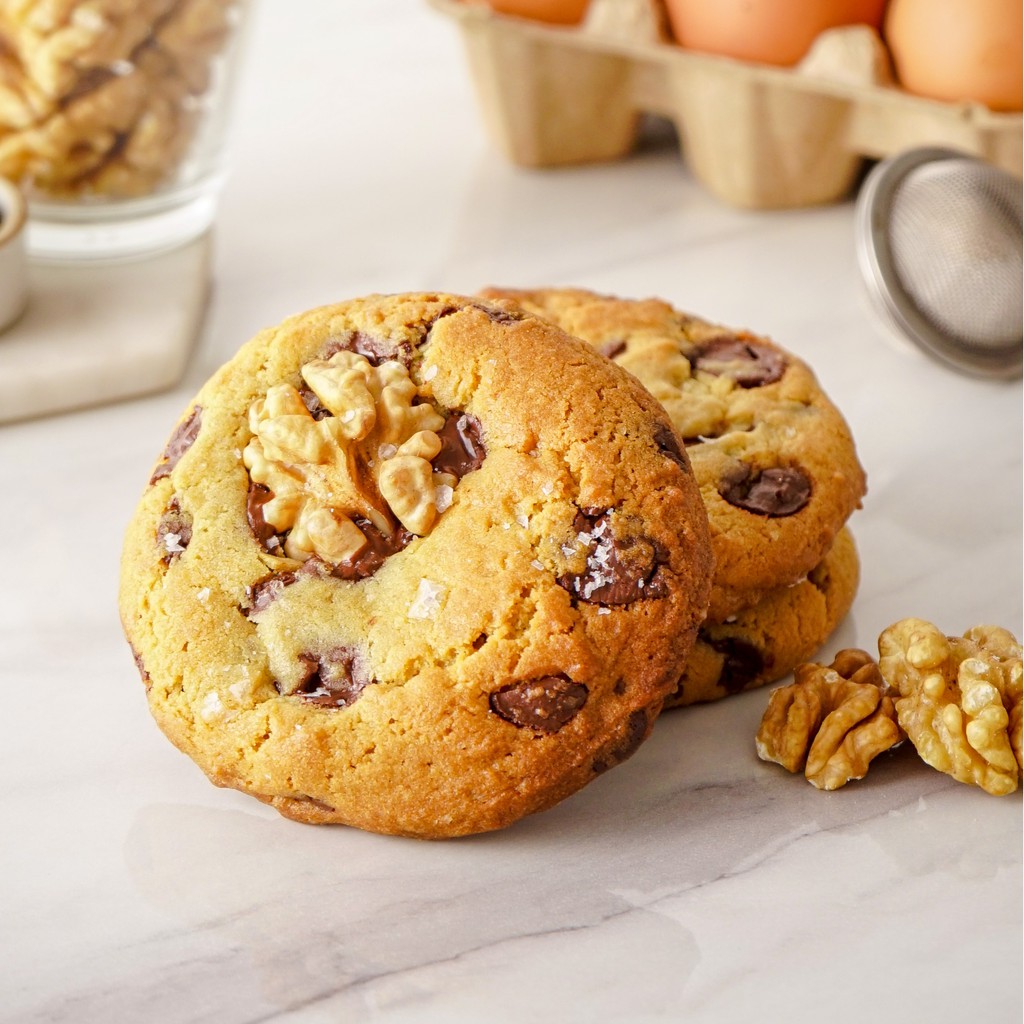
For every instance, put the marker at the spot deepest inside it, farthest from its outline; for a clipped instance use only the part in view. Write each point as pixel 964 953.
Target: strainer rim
pixel 878 269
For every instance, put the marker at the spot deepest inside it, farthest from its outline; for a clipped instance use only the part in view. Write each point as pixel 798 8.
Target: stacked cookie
pixel 777 469
pixel 420 564
pixel 424 564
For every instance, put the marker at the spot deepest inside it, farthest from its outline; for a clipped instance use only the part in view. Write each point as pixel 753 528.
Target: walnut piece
pixel 831 722
pixel 59 42
pixel 104 97
pixel 959 699
pixel 369 459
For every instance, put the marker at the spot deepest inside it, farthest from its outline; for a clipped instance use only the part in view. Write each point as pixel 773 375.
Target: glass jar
pixel 113 117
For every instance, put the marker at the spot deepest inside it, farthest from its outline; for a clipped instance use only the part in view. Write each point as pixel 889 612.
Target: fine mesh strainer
pixel 939 241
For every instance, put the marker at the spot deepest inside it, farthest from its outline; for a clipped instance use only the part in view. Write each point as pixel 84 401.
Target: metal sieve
pixel 939 242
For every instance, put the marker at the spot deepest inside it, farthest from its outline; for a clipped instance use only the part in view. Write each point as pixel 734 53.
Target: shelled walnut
pixel 959 699
pixel 831 722
pixel 368 461
pixel 103 98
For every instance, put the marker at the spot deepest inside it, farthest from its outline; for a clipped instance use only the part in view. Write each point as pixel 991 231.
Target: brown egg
pixel 766 31
pixel 558 12
pixel 958 50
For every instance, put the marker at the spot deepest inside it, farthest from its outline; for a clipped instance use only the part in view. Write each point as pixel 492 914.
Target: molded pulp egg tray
pixel 756 136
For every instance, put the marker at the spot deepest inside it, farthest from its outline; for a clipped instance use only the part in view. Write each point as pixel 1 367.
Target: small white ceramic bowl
pixel 13 258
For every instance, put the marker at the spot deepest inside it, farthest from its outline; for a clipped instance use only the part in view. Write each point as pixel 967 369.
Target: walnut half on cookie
pixel 831 722
pixel 369 457
pixel 959 699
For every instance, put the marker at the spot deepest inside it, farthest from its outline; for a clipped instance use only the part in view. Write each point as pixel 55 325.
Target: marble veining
pixel 694 882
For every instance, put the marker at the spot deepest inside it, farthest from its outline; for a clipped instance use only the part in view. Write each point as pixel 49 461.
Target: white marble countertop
pixel 692 883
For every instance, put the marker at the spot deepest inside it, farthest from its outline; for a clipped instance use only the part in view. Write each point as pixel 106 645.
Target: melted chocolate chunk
pixel 266 590
pixel 180 441
pixel 335 679
pixel 750 363
pixel 666 443
pixel 618 570
pixel 374 350
pixel 312 402
pixel 611 349
pixel 462 446
pixel 776 492
pixel 636 731
pixel 543 705
pixel 502 316
pixel 261 529
pixel 379 350
pixel 372 556
pixel 742 665
pixel 173 532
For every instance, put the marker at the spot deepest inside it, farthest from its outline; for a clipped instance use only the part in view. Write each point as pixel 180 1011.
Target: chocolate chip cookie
pixel 765 642
pixel 417 564
pixel 775 460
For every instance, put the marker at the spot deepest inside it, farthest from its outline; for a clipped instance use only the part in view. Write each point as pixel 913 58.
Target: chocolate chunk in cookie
pixel 778 491
pixel 742 663
pixel 462 446
pixel 619 569
pixel 544 705
pixel 374 349
pixel 258 496
pixel 666 442
pixel 173 531
pixel 180 441
pixel 611 349
pixel 334 679
pixel 751 364
pixel 373 554
pixel 637 728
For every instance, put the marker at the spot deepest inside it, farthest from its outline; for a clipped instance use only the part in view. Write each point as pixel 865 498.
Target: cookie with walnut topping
pixel 776 462
pixel 416 564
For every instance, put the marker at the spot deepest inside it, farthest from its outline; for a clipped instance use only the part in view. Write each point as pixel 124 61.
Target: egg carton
pixel 757 136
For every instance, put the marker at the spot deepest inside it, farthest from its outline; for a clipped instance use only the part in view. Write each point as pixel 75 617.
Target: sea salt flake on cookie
pixel 212 706
pixel 427 602
pixel 443 496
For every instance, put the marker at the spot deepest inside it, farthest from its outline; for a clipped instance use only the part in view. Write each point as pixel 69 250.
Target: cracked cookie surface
pixel 415 564
pixel 774 458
